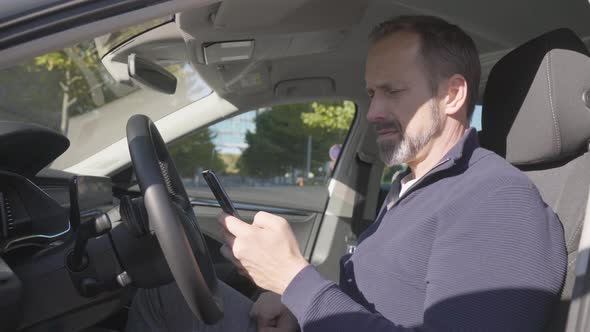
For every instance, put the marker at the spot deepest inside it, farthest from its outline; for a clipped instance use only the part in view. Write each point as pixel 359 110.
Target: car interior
pixel 87 194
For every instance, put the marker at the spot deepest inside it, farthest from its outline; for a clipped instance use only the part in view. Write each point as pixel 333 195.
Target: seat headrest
pixel 536 105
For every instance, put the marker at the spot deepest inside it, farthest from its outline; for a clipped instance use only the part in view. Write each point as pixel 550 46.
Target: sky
pixel 476 119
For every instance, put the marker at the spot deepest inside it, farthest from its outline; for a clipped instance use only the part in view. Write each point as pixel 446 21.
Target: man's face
pixel 403 109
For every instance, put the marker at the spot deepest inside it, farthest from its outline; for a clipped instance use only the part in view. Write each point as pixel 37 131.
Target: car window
pixel 390 171
pixel 476 118
pixel 272 156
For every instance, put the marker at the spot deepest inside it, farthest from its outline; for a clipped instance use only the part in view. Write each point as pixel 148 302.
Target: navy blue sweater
pixel 470 246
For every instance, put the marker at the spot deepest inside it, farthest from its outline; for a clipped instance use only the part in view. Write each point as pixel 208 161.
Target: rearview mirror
pixel 150 74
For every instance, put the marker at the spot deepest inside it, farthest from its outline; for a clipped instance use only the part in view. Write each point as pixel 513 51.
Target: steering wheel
pixel 173 220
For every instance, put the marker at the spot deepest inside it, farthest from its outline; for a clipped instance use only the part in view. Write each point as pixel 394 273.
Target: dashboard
pixel 73 248
pixel 38 219
pixel 33 213
pixel 43 214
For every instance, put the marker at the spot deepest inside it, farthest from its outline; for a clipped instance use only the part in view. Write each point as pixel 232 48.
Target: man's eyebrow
pixel 388 86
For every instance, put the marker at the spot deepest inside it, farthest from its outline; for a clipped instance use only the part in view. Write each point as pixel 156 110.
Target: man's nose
pixel 377 111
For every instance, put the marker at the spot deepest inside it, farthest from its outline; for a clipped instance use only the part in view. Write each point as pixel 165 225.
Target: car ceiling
pixel 305 39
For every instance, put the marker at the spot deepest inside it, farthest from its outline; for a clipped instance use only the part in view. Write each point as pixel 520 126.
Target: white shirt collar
pixel 406 182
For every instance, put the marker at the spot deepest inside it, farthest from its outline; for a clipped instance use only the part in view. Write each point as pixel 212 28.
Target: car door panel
pixel 301 222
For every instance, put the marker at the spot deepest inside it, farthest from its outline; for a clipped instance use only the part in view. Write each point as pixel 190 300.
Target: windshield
pixel 70 91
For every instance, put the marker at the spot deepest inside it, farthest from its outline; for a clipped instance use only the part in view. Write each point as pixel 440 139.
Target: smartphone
pixel 224 202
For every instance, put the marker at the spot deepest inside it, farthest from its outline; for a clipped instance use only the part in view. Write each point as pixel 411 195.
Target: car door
pixel 276 159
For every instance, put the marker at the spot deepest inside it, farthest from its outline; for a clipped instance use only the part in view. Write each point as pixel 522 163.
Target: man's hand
pixel 272 315
pixel 265 251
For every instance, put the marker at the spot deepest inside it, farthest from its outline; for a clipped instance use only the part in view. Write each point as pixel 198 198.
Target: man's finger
pixel 263 219
pixel 228 238
pixel 233 225
pixel 268 220
pixel 227 253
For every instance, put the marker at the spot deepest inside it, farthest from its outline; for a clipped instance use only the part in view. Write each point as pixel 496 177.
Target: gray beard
pixel 393 153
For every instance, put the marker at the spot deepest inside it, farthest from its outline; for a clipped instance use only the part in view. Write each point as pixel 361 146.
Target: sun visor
pixel 246 78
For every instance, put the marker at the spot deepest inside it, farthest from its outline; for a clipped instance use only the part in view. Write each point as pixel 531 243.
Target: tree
pixel 337 117
pixel 278 146
pixel 331 117
pixel 74 64
pixel 389 172
pixel 196 151
pixel 328 123
pixel 51 88
pixel 84 83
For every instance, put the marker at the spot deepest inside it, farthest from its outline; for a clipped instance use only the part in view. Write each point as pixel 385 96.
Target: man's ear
pixel 456 95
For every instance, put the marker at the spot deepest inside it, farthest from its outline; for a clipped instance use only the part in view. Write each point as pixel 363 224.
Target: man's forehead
pixel 389 74
pixel 391 59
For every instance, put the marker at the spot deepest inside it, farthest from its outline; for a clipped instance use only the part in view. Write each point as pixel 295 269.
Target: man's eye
pixel 370 94
pixel 393 92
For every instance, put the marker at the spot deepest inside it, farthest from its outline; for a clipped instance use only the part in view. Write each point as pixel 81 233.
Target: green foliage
pixel 278 146
pixel 80 74
pixel 331 117
pixel 51 61
pixel 389 171
pixel 56 86
pixel 194 151
pixel 51 88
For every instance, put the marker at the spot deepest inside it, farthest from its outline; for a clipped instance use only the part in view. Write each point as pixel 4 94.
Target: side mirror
pixel 151 75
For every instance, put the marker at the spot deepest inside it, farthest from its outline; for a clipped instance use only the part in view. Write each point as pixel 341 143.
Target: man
pixel 468 244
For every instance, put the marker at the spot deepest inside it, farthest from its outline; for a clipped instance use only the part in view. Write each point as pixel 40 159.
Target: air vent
pixel 9 214
pixel 3 218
